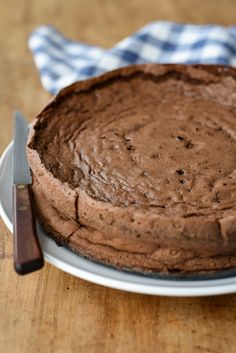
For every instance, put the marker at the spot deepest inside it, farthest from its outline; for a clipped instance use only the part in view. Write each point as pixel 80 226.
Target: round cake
pixel 137 168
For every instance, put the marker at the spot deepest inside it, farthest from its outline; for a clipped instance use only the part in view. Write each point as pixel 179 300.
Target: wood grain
pixel 51 311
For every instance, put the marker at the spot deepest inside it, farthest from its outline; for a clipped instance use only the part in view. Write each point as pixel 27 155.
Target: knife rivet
pixel 21 186
pixel 22 208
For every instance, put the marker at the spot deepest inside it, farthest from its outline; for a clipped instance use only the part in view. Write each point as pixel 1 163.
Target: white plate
pixel 103 275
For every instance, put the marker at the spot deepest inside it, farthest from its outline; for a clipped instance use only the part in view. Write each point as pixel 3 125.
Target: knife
pixel 27 252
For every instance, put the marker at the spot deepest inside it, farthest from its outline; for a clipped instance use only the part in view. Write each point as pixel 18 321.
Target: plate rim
pixel 200 288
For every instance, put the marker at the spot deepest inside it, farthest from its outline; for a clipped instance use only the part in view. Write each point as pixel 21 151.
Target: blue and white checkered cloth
pixel 61 61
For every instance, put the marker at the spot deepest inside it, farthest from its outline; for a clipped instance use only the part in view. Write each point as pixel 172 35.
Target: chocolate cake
pixel 137 168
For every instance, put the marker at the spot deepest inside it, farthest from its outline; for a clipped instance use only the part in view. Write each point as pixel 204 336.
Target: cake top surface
pixel 151 136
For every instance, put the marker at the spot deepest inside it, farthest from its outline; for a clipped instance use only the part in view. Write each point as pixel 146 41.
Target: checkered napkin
pixel 61 61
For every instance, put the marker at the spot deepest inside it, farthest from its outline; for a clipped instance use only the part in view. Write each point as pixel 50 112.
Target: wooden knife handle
pixel 27 252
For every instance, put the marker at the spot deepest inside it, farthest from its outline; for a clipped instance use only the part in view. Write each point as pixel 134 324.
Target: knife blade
pixel 27 252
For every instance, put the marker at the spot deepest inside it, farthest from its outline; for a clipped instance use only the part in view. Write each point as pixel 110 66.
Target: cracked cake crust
pixel 136 168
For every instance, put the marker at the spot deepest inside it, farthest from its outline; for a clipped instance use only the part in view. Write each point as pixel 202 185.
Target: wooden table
pixel 51 311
